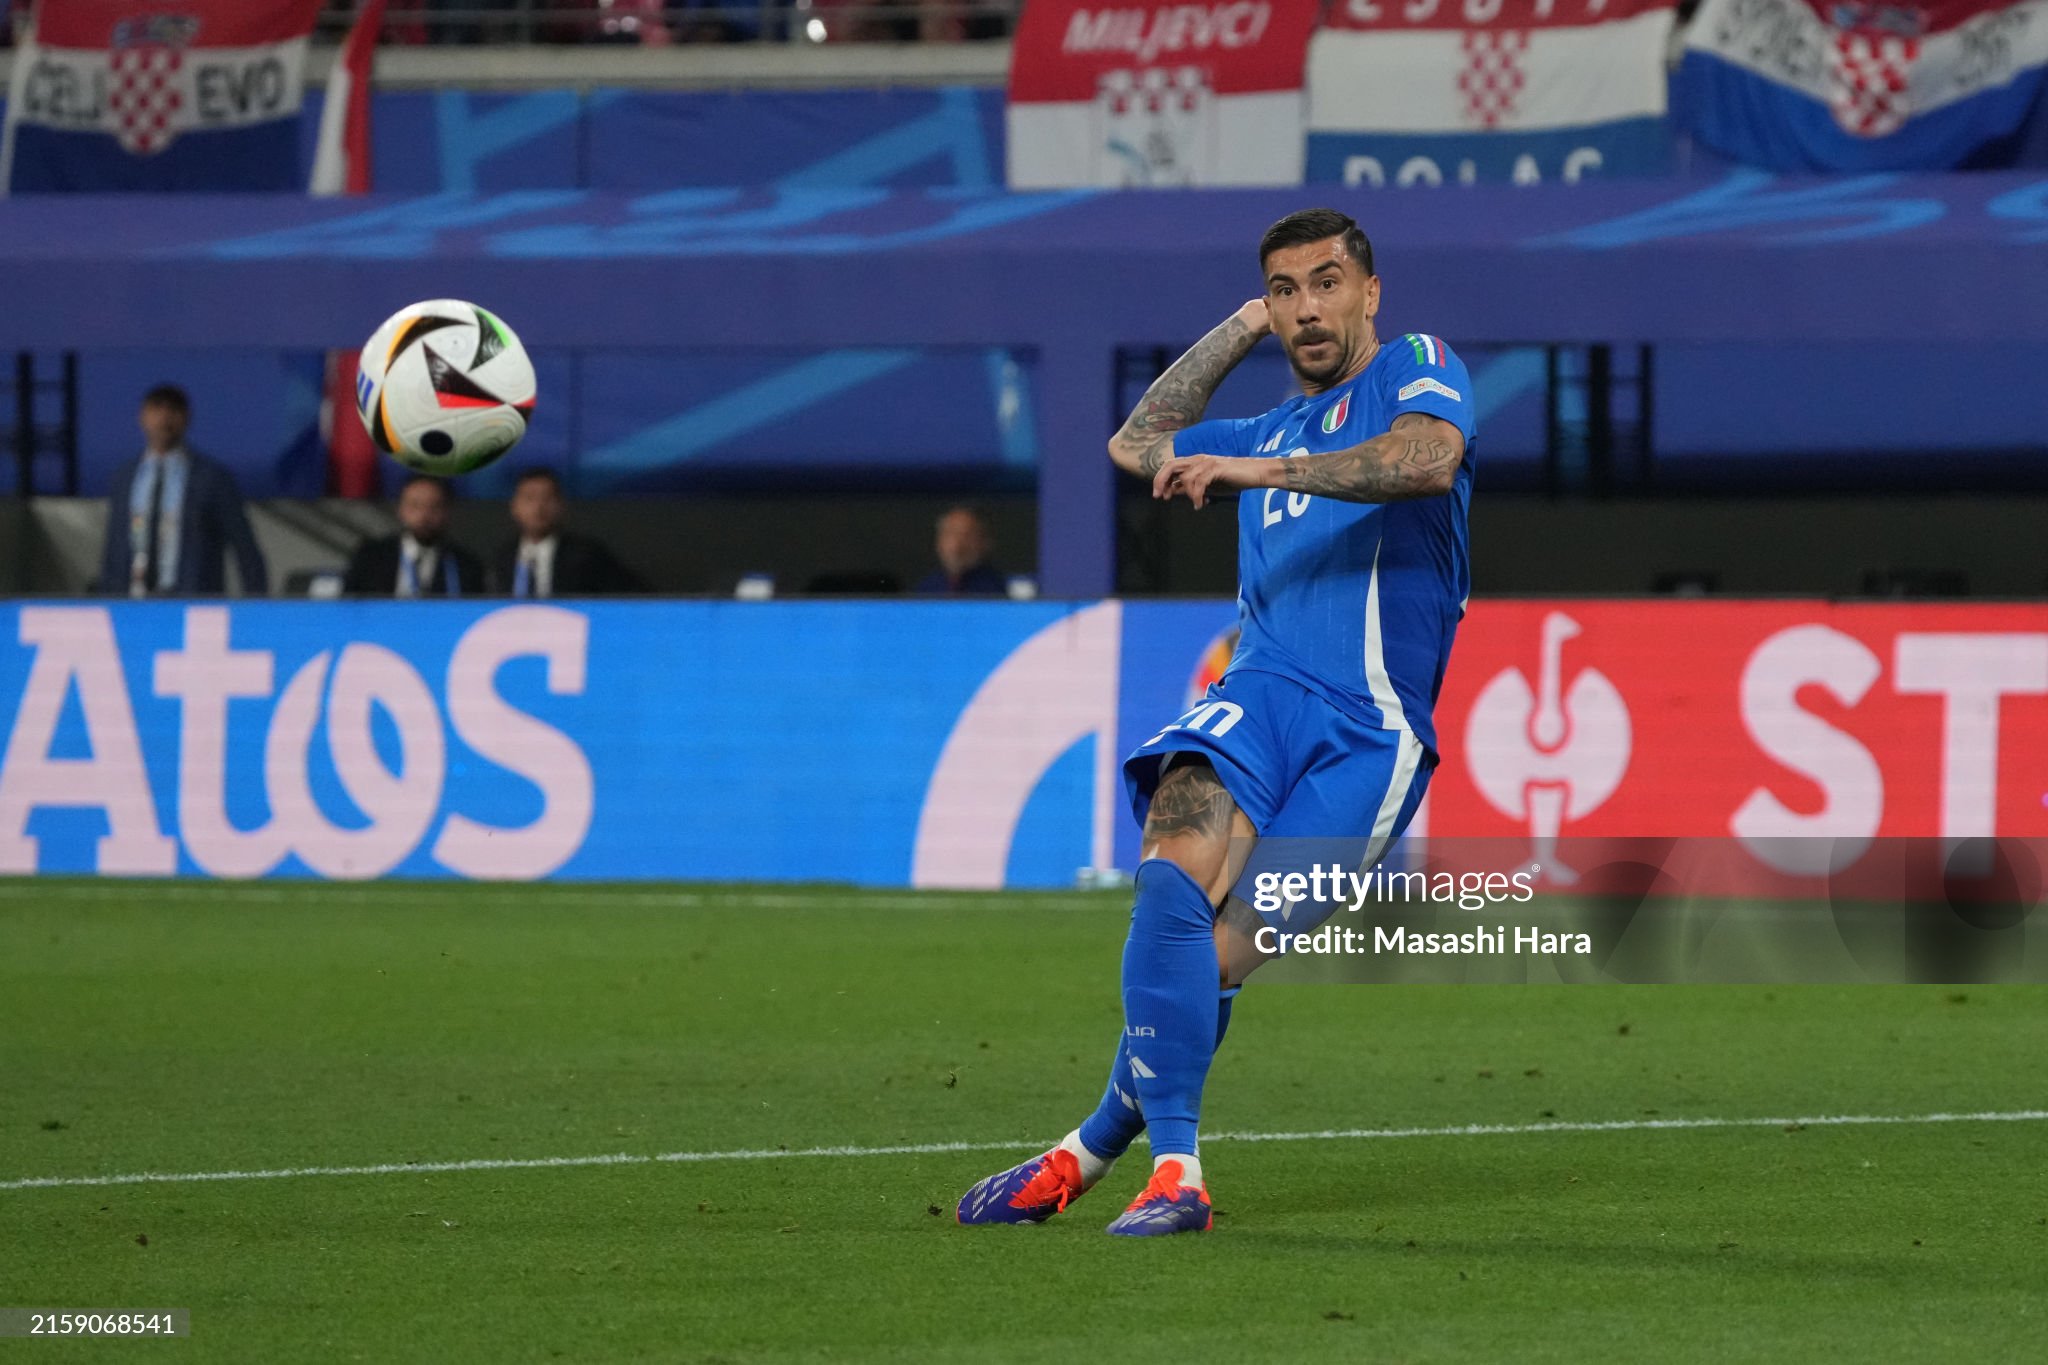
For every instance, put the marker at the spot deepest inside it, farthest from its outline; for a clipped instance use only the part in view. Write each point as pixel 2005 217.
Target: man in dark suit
pixel 420 561
pixel 962 543
pixel 544 560
pixel 173 515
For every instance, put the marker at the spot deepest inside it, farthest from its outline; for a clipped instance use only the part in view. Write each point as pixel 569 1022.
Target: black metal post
pixel 1646 389
pixel 67 440
pixel 1553 425
pixel 1600 420
pixel 25 423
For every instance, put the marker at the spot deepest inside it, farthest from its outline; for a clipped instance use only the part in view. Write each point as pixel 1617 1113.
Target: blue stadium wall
pixel 637 420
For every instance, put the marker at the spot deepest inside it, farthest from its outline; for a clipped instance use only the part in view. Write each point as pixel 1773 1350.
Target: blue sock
pixel 1172 1014
pixel 1116 1122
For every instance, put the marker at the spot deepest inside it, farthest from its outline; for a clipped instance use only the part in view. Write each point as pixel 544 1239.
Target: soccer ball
pixel 444 387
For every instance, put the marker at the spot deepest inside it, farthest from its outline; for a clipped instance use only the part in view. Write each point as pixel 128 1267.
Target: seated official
pixel 420 561
pixel 963 545
pixel 544 559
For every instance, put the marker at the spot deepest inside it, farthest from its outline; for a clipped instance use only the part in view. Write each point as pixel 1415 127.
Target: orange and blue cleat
pixel 1166 1207
pixel 1028 1193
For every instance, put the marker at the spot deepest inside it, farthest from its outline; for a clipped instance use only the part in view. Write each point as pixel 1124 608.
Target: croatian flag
pixel 1157 93
pixel 1431 92
pixel 112 95
pixel 341 151
pixel 1851 85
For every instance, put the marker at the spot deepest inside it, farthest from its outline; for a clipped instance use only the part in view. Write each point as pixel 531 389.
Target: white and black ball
pixel 445 387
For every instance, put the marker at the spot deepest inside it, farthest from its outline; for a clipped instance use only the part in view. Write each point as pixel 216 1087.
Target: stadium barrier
pixel 947 744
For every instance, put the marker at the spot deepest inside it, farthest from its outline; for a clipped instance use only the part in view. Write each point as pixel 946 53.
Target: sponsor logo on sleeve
pixel 1428 385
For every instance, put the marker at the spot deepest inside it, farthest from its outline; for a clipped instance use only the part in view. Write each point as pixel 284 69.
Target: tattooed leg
pixel 1194 824
pixel 1237 950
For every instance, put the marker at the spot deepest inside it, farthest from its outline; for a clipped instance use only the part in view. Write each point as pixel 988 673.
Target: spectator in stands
pixel 903 21
pixel 611 21
pixel 543 560
pixel 420 561
pixel 473 26
pixel 173 515
pixel 952 21
pixel 963 546
pixel 631 21
pixel 727 21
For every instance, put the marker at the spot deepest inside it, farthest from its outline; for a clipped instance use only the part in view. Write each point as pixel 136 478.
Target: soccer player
pixel 1352 580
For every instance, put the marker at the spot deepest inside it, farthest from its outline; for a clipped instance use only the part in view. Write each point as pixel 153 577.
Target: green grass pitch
pixel 205 1028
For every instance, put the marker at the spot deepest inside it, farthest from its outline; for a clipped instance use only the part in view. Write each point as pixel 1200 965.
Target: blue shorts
pixel 1332 787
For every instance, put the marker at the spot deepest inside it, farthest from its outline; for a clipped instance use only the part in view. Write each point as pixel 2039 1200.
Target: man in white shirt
pixel 420 561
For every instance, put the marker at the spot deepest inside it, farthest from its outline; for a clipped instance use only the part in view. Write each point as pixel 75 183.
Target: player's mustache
pixel 1309 336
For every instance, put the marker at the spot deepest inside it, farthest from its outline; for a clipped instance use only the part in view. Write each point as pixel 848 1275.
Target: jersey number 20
pixel 1297 503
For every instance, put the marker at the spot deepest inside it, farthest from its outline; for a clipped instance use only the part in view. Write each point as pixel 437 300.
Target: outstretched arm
pixel 1417 457
pixel 1177 398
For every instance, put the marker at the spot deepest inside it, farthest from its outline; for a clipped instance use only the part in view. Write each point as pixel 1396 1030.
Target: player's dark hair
pixel 447 488
pixel 537 471
pixel 1313 225
pixel 168 396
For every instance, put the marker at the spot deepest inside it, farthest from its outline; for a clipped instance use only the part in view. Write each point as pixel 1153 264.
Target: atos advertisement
pixel 948 744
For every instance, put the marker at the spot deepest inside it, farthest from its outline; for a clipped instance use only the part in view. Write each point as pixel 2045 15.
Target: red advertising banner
pixel 1154 93
pixel 198 24
pixel 1799 722
pixel 1472 15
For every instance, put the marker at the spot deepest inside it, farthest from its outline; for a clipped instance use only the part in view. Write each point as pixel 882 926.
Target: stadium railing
pixel 655 23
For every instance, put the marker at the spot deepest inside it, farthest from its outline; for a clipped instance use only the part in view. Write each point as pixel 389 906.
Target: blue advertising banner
pixel 471 141
pixel 940 744
pixel 1600 261
pixel 663 140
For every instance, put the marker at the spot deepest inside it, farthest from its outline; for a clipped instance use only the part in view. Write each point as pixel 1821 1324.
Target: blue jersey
pixel 1357 602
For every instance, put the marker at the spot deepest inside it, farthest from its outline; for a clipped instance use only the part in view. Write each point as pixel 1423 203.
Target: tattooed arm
pixel 1416 458
pixel 1176 399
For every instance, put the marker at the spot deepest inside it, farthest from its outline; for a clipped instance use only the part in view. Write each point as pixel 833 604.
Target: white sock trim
pixel 1190 1167
pixel 1093 1167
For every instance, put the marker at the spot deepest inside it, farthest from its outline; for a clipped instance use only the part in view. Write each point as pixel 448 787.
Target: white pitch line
pixel 931 1148
pixel 469 896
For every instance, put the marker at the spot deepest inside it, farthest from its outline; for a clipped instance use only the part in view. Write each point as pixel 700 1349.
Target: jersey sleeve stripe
pixel 1428 350
pixel 1377 680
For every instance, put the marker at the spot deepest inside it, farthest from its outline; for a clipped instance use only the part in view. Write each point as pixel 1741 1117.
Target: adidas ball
pixel 444 387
